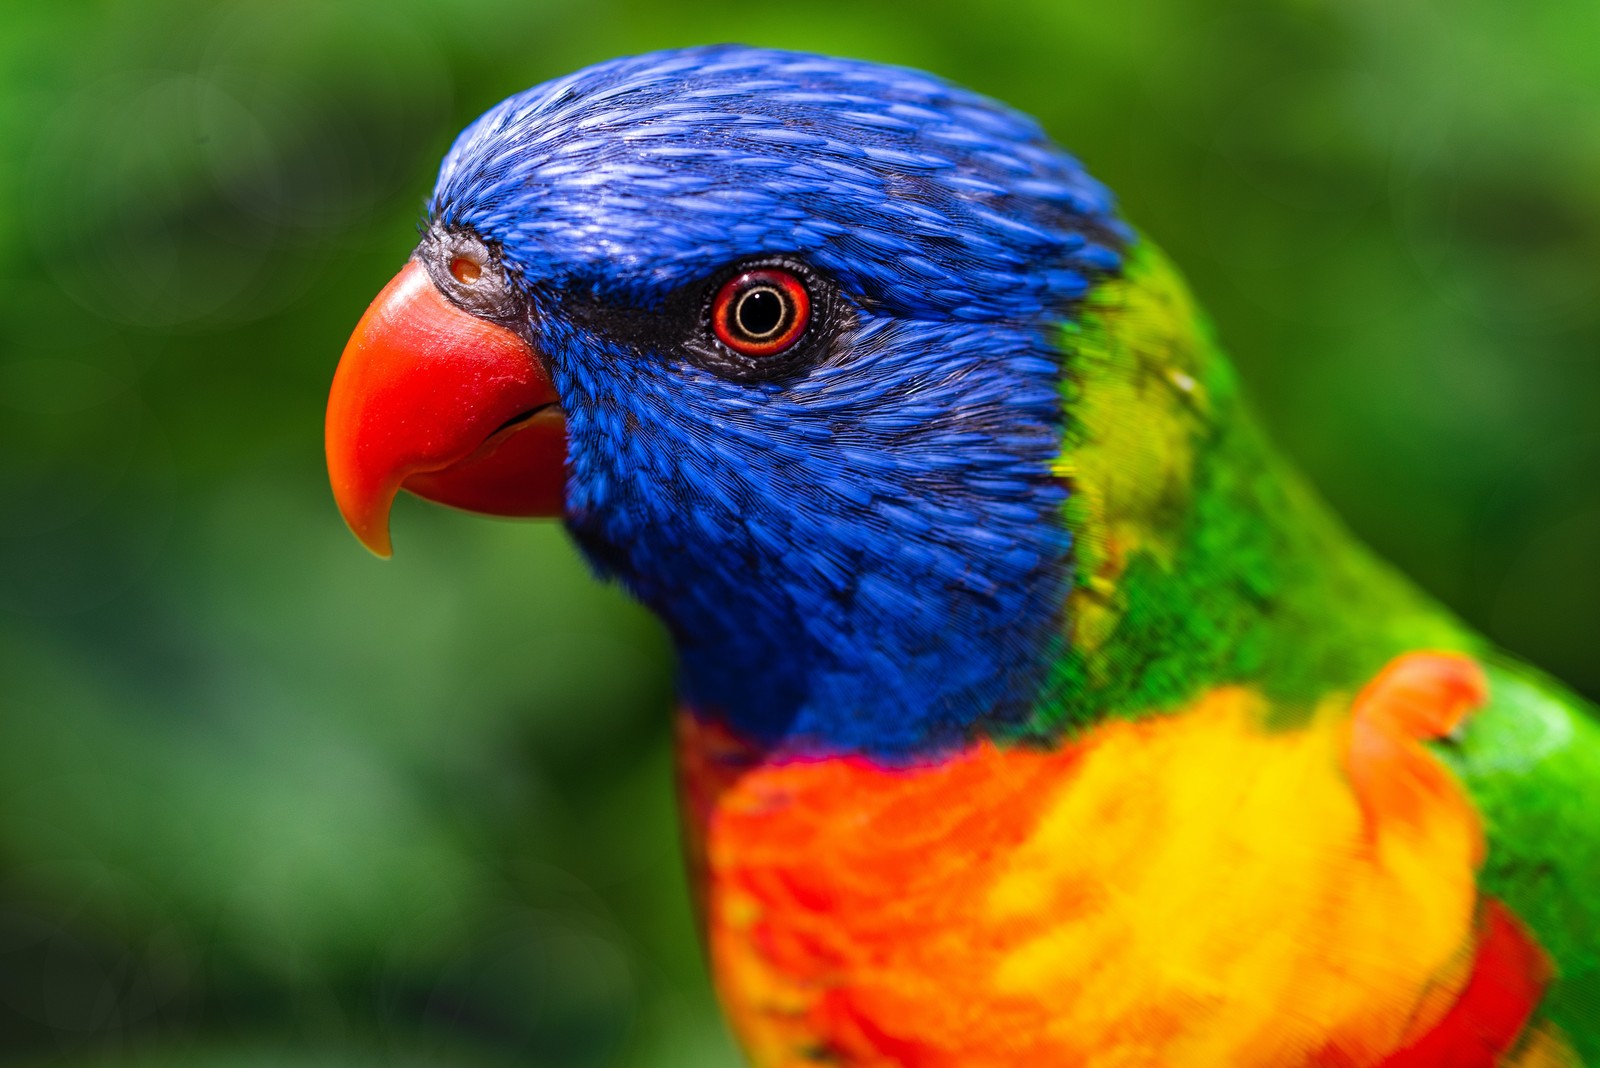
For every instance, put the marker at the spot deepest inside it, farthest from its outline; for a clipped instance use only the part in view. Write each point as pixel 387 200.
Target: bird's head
pixel 776 334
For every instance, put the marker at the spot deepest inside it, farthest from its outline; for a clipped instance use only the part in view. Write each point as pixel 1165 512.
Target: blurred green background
pixel 264 800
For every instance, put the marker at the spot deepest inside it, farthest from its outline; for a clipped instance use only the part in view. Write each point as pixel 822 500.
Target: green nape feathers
pixel 1204 559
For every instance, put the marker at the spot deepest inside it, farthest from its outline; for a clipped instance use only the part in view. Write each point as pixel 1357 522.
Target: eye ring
pixel 761 312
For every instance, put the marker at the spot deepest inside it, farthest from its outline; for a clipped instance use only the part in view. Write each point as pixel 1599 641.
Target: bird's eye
pixel 466 270
pixel 761 312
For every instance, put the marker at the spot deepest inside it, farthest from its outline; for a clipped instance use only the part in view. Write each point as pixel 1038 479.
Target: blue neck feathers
pixel 841 577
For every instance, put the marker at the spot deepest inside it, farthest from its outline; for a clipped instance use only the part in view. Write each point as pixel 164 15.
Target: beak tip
pixel 373 533
pixel 367 516
pixel 379 547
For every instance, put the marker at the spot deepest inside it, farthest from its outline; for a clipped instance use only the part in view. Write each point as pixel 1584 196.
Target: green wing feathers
pixel 1531 762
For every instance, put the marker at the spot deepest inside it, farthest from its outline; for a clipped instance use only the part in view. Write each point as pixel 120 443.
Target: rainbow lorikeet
pixel 1034 711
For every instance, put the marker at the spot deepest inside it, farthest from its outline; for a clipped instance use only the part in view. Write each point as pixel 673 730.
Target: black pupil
pixel 759 312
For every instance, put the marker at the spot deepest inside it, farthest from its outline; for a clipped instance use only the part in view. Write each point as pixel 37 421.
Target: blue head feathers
pixel 860 550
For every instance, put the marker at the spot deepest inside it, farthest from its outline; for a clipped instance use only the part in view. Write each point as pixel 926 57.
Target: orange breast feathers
pixel 1187 890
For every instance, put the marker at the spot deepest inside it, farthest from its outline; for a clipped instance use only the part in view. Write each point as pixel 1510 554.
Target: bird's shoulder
pixel 1530 760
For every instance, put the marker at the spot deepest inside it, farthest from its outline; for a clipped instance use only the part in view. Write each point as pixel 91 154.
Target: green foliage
pixel 265 800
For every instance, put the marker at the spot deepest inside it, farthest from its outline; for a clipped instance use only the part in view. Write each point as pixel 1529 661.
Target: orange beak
pixel 455 409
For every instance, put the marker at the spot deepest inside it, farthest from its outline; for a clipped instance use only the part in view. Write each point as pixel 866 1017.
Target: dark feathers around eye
pixel 680 326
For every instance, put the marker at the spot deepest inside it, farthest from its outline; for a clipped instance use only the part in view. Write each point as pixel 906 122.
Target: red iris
pixel 761 312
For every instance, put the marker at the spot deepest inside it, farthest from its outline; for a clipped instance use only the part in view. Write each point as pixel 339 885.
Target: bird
pixel 1032 708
